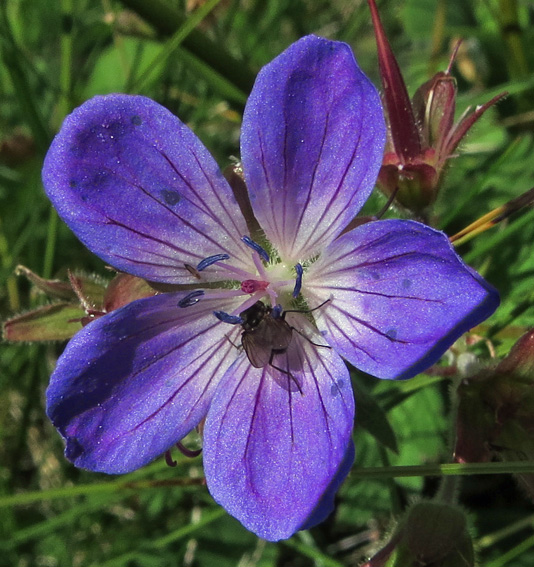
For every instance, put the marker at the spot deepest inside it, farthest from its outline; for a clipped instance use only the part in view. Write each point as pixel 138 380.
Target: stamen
pixel 193 271
pixel 203 264
pixel 223 293
pixel 249 302
pixel 251 286
pixel 256 247
pixel 276 311
pixel 298 281
pixel 256 258
pixel 242 274
pixel 227 318
pixel 191 298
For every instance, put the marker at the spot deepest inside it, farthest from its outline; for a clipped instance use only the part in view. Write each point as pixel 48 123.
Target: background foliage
pixel 199 59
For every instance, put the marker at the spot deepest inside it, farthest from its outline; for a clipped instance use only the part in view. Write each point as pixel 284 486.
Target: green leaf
pixel 114 68
pixel 371 416
pixel 56 322
pixel 56 289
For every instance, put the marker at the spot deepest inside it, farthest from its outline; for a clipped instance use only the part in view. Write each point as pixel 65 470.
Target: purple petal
pixel 271 451
pixel 312 142
pixel 134 382
pixel 326 505
pixel 140 190
pixel 400 297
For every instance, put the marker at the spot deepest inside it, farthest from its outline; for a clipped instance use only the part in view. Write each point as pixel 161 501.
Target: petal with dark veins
pixel 141 191
pixel 265 442
pixel 400 297
pixel 132 383
pixel 312 142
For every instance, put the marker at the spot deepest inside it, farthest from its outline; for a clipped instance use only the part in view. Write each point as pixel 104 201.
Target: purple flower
pixel 142 192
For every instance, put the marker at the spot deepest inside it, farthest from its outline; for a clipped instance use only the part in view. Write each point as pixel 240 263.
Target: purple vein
pixel 231 217
pixel 205 209
pixel 369 326
pixel 273 220
pixel 378 294
pixel 285 204
pixel 221 368
pixel 341 210
pixel 311 187
pixel 349 339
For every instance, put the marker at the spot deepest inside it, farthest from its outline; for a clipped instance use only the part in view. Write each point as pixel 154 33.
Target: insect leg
pixel 305 310
pixel 232 342
pixel 308 339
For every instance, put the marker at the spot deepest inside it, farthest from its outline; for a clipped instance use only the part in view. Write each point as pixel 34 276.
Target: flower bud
pixel 431 534
pixel 422 135
pixel 496 411
pixel 123 289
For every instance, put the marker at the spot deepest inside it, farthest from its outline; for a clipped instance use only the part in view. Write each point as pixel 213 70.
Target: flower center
pixel 276 281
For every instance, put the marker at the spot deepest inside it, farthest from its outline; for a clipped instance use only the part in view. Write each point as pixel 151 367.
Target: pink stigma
pixel 251 286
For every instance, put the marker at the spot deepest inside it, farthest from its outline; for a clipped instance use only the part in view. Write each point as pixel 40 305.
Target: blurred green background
pixel 199 59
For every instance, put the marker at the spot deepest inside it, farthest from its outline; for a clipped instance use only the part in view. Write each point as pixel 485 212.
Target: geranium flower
pixel 142 192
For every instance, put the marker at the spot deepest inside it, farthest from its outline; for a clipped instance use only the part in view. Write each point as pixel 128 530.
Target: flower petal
pixel 312 141
pixel 134 382
pixel 264 442
pixel 140 190
pixel 327 503
pixel 401 297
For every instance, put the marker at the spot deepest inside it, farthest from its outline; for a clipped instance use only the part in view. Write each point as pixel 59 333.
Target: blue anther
pixel 256 247
pixel 227 318
pixel 191 298
pixel 276 311
pixel 298 281
pixel 203 264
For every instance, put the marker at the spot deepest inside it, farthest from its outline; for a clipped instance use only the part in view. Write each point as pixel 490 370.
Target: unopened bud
pixel 421 135
pixel 431 534
pixel 496 411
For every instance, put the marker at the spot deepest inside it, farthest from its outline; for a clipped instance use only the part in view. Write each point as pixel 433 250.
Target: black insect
pixel 266 333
